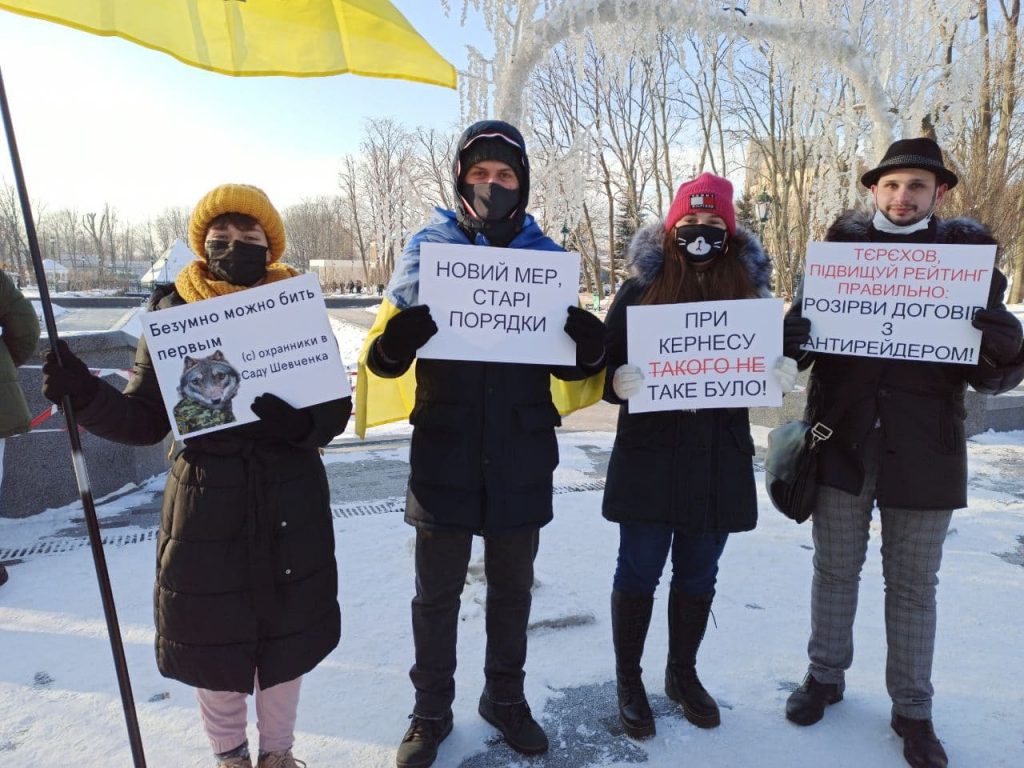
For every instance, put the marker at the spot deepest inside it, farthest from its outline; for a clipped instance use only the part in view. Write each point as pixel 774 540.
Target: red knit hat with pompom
pixel 705 194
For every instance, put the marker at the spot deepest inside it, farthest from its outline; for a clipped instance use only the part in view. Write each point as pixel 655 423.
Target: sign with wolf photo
pixel 214 357
pixel 906 301
pixel 499 305
pixel 712 354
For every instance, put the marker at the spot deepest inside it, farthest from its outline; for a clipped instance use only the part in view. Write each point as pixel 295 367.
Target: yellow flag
pixel 298 38
pixel 380 401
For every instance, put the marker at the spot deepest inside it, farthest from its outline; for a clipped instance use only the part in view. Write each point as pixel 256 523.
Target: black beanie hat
pixel 491 140
pixel 491 148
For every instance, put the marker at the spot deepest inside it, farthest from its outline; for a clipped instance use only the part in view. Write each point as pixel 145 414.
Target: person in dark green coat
pixel 19 327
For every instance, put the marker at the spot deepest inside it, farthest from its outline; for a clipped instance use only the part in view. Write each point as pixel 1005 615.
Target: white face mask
pixel 882 223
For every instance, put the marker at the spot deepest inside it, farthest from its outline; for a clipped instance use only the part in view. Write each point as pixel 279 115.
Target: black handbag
pixel 791 465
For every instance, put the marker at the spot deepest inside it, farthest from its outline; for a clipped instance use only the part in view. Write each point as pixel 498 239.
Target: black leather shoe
pixel 516 724
pixel 419 745
pixel 806 705
pixel 921 747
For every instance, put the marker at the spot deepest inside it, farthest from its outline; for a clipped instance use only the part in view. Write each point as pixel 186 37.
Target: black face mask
pixel 701 244
pixel 237 262
pixel 491 202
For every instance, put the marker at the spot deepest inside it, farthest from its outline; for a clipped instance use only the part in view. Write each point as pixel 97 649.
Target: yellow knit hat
pixel 236 198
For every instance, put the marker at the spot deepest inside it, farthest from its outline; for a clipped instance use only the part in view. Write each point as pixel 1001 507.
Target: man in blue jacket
pixel 482 456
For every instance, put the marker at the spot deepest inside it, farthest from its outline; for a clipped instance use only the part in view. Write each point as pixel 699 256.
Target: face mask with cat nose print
pixel 701 243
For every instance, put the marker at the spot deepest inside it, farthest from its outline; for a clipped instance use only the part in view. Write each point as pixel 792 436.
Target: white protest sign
pixel 214 357
pixel 715 354
pixel 499 305
pixel 903 301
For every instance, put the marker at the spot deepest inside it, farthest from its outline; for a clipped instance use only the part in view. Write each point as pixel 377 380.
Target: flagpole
pixel 78 458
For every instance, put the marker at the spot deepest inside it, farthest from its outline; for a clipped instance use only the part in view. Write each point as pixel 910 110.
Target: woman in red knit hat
pixel 678 481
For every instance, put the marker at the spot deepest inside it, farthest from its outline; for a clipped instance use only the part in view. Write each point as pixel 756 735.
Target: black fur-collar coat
pixel 246 578
pixel 918 406
pixel 691 470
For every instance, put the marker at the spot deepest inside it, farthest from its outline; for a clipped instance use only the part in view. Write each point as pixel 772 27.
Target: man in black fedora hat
pixel 898 443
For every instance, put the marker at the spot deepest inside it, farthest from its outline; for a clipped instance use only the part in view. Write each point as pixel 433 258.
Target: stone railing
pixel 37 471
pixel 984 412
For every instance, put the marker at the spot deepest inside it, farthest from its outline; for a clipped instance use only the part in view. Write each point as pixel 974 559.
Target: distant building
pixel 337 271
pixel 165 269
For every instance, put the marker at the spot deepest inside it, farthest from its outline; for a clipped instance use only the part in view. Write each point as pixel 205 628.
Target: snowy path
pixel 59 703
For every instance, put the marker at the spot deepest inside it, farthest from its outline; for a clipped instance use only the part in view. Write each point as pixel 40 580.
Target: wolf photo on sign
pixel 214 357
pixel 208 385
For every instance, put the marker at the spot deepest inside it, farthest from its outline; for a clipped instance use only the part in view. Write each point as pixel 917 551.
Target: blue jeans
pixel 643 550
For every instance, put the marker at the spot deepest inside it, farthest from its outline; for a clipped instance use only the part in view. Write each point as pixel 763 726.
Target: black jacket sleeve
pixel 576 372
pixel 329 419
pixel 990 377
pixel 383 366
pixel 135 416
pixel 616 353
pixel 806 358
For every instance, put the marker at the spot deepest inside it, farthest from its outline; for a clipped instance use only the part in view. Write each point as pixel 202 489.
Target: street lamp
pixel 565 234
pixel 763 204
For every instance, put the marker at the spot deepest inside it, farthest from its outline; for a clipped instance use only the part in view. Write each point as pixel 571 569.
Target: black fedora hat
pixel 912 153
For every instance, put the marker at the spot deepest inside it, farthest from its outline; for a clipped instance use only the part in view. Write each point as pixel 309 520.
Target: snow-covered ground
pixel 59 703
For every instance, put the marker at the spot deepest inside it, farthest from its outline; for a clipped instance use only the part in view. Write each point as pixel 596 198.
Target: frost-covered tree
pixel 795 99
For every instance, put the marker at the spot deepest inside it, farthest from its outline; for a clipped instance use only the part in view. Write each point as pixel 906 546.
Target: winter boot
pixel 516 724
pixel 806 705
pixel 279 760
pixel 921 747
pixel 687 620
pixel 235 758
pixel 631 616
pixel 419 745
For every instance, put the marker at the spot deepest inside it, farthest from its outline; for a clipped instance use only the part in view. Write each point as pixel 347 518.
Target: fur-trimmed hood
pixel 855 227
pixel 645 256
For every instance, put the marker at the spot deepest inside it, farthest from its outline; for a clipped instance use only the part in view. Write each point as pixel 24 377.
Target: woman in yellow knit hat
pixel 246 584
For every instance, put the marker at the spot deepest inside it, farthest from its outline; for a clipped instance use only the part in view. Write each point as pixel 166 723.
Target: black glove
pixel 406 332
pixel 587 331
pixel 281 419
pixel 73 379
pixel 795 331
pixel 1001 335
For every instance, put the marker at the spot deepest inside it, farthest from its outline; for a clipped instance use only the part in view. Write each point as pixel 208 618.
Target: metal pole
pixel 77 457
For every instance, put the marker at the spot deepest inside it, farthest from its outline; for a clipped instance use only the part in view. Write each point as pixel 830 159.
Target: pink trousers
pixel 224 715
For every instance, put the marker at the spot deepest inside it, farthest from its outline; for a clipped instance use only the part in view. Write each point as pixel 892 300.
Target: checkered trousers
pixel 911 555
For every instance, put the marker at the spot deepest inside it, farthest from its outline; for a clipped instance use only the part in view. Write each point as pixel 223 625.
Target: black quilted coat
pixel 692 470
pixel 919 406
pixel 246 578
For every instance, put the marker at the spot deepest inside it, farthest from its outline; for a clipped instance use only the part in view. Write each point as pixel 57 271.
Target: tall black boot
pixel 631 616
pixel 687 620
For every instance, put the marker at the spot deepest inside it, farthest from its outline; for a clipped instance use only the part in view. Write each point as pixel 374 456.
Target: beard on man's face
pixel 904 214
